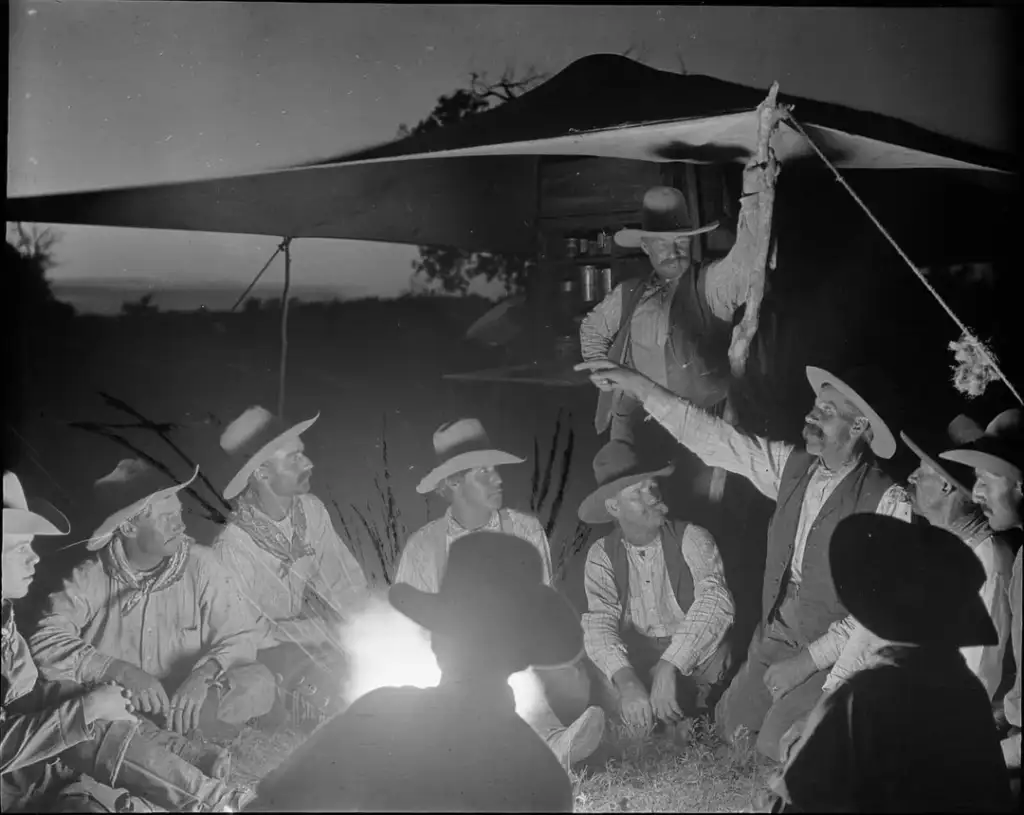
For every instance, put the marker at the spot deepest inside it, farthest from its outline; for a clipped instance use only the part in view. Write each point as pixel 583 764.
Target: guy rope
pixel 969 347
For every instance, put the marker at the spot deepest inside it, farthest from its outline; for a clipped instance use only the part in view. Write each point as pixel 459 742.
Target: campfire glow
pixel 387 649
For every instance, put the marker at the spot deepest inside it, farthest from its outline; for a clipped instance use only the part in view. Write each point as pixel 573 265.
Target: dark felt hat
pixel 493 592
pixel 910 582
pixel 665 215
pixel 999 450
pixel 616 466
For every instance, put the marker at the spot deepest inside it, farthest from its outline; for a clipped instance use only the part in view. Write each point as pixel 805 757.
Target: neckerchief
pixel 972 529
pixel 268 536
pixel 141 586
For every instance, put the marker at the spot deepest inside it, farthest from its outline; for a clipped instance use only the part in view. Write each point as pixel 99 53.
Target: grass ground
pixel 687 770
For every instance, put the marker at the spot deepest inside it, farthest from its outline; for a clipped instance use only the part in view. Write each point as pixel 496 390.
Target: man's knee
pixel 245 692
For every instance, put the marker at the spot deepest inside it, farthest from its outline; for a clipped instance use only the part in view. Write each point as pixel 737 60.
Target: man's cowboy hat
pixel 462 445
pixel 665 215
pixel 962 430
pixel 493 595
pixel 253 438
pixel 999 450
pixel 910 582
pixel 131 487
pixel 20 520
pixel 883 444
pixel 616 467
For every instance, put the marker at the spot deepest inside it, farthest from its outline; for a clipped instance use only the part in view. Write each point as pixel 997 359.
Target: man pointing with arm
pixel 803 624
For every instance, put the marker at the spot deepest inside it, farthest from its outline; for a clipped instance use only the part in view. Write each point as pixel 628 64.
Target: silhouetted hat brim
pixel 934 464
pixel 462 462
pixel 989 455
pixel 883 443
pixel 630 238
pixel 910 582
pixel 241 478
pixel 544 630
pixel 101 537
pixel 593 510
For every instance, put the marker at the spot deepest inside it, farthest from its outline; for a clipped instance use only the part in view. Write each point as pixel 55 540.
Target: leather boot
pixel 123 756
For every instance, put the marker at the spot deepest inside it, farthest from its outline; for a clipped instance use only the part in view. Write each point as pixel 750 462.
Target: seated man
pixel 157 614
pixel 289 564
pixel 459 747
pixel 658 605
pixel 466 477
pixel 54 730
pixel 913 733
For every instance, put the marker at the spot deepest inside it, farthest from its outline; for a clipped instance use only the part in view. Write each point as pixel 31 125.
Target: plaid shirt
pixel 653 610
pixel 760 461
pixel 425 554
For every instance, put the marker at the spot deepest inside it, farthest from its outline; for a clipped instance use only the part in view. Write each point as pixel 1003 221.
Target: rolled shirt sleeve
pixel 718 444
pixel 601 638
pixel 706 622
pixel 599 327
pixel 57 646
pixel 727 281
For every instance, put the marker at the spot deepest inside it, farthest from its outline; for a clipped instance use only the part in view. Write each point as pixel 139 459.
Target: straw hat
pixel 883 444
pixel 910 582
pixel 20 520
pixel 665 215
pixel 253 438
pixel 999 450
pixel 462 445
pixel 962 430
pixel 129 488
pixel 493 592
pixel 616 467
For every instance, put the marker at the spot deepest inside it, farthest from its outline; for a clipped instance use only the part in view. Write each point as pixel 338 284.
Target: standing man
pixel 466 477
pixel 658 607
pixel 48 728
pixel 998 461
pixel 674 327
pixel 157 614
pixel 288 562
pixel 804 626
pixel 940 495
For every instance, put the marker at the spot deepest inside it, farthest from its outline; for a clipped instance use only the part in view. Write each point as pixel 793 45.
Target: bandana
pixel 268 537
pixel 140 587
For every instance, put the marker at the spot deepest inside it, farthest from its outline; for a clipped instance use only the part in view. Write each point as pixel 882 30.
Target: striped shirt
pixel 718 444
pixel 653 610
pixel 425 554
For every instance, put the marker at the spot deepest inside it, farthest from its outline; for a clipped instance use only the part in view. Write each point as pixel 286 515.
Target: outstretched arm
pixel 716 442
pixel 599 327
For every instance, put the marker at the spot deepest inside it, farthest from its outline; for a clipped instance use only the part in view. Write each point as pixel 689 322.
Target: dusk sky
pixel 107 94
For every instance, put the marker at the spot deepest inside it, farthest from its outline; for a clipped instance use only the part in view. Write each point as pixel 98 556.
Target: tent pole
pixel 287 244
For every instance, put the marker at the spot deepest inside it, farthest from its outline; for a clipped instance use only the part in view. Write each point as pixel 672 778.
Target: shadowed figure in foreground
pixel 460 746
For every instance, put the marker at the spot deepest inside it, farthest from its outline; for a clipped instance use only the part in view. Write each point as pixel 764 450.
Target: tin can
pixel 607 280
pixel 568 286
pixel 588 283
pixel 604 243
pixel 585 246
pixel 572 247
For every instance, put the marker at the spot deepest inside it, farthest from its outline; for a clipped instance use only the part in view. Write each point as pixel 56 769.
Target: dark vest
pixel 678 572
pixel 818 606
pixel 696 353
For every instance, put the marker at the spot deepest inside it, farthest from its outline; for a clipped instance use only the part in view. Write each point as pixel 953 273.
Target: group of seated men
pixel 157 647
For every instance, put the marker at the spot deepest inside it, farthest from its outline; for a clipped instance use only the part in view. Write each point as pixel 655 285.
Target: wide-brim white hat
pixel 883 443
pixel 462 445
pixel 20 520
pixel 101 537
pixel 253 438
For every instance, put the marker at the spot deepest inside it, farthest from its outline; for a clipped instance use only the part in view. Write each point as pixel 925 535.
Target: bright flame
pixel 387 649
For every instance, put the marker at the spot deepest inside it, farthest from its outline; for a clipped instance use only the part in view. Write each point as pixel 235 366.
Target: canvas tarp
pixel 473 184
